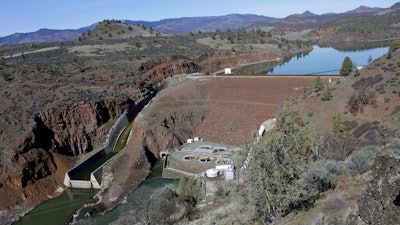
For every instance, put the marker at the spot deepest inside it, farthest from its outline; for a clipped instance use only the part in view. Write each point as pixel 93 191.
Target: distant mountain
pixel 311 18
pixel 44 35
pixel 395 10
pixel 364 9
pixel 205 24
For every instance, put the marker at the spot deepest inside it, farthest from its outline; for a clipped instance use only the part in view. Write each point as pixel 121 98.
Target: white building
pixel 228 71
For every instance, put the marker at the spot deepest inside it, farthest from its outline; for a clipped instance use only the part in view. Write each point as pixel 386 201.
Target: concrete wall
pixel 115 131
pixel 95 182
pixel 80 184
pixel 124 120
pixel 75 171
pixel 70 179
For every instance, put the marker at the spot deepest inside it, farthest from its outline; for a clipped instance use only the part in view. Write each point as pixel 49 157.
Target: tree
pixel 327 95
pixel 337 126
pixel 2 62
pixel 274 186
pixel 347 67
pixel 394 45
pixel 318 85
pixel 189 187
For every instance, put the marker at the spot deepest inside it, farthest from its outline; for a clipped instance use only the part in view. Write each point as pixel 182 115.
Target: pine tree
pixel 318 85
pixel 337 126
pixel 394 45
pixel 327 95
pixel 347 67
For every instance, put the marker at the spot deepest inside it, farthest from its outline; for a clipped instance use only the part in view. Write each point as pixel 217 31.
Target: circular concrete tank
pixel 189 157
pixel 205 159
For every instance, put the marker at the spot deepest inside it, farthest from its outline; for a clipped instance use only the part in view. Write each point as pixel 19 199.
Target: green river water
pixel 58 210
pixel 153 184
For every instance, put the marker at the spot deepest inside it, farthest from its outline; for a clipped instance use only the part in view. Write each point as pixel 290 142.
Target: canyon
pixel 60 100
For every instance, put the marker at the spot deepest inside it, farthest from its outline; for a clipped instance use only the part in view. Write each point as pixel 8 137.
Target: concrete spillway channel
pixel 88 173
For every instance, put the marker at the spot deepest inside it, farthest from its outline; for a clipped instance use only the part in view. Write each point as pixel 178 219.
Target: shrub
pixel 352 104
pixel 189 187
pixel 356 103
pixel 361 160
pixel 381 89
pixel 357 133
pixel 367 81
pixel 323 175
pixel 168 208
pixel 395 153
pixel 394 45
pixel 382 128
pixel 396 110
pixel 349 125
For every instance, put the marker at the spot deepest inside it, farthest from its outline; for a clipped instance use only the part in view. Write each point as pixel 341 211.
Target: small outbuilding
pixel 228 71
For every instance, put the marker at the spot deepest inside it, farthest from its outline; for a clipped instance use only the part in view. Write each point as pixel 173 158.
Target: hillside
pixel 356 163
pixel 44 35
pixel 185 25
pixel 205 24
pixel 362 29
pixel 61 99
pixel 368 106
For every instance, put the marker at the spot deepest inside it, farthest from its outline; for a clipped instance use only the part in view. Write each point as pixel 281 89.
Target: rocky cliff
pixel 51 145
pixel 61 133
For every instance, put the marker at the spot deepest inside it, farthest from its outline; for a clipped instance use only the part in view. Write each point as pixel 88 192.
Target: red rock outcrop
pixel 159 69
pixel 50 148
pixel 59 135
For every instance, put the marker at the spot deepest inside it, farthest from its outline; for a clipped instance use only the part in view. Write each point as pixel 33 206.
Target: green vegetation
pixel 382 128
pixel 2 62
pixel 356 103
pixel 347 67
pixel 361 160
pixel 394 45
pixel 337 126
pixel 291 166
pixel 274 185
pixel 318 85
pixel 327 95
pixel 189 187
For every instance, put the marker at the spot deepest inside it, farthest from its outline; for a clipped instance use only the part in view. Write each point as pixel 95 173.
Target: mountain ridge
pixel 184 25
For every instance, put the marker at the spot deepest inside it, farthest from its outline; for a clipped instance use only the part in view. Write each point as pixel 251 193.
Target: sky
pixel 21 16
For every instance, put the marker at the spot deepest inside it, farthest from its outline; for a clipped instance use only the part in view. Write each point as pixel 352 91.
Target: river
pixel 58 210
pixel 136 199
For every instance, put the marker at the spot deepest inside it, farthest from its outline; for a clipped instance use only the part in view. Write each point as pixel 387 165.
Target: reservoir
pixel 326 61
